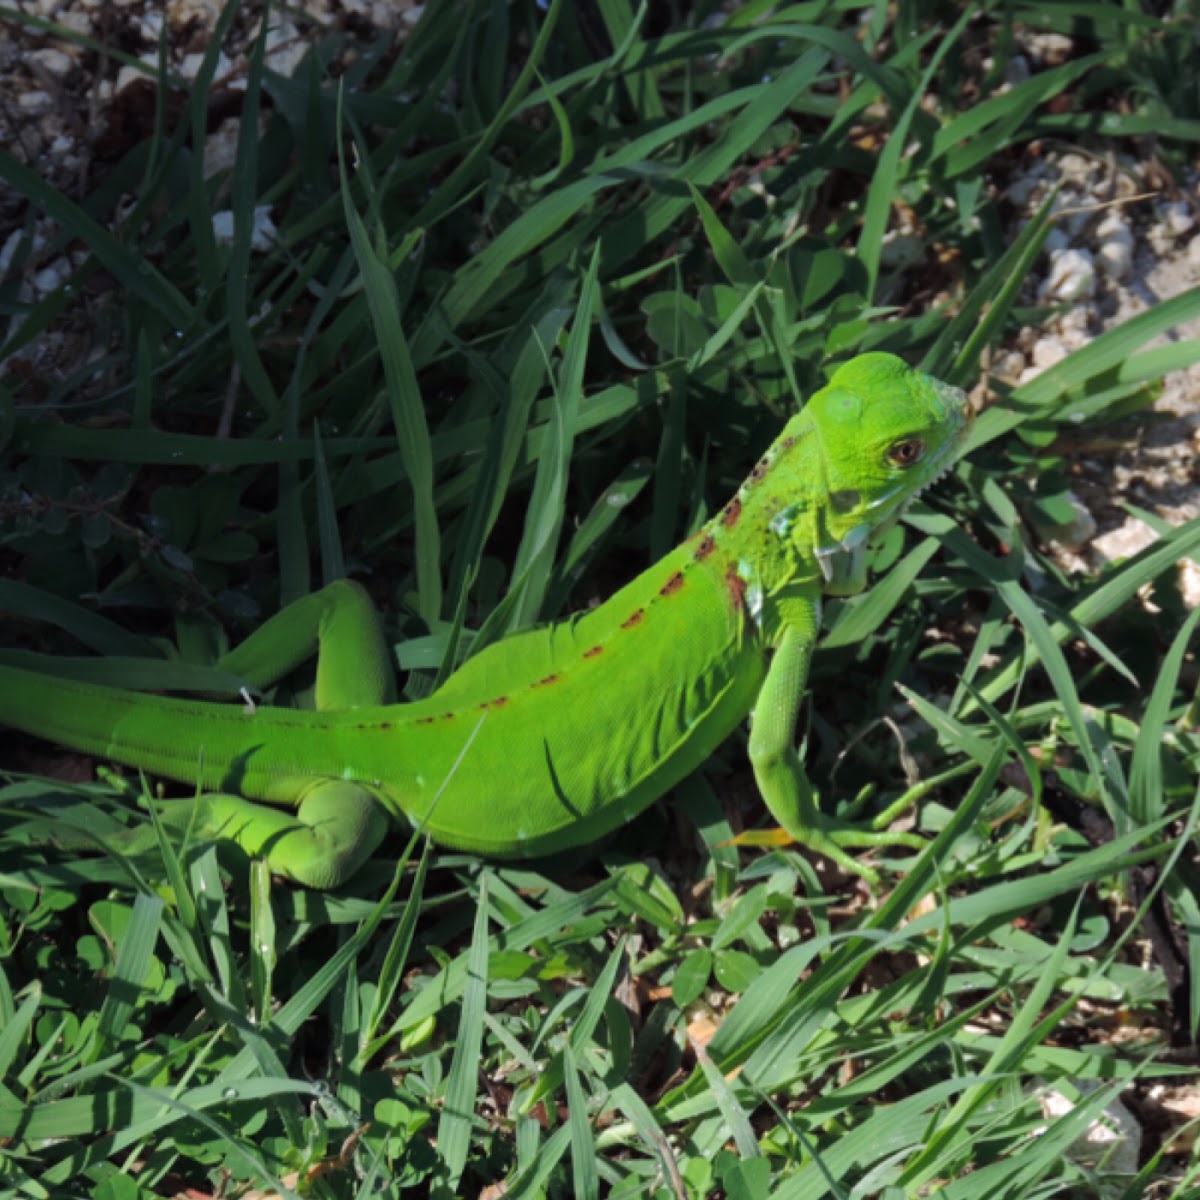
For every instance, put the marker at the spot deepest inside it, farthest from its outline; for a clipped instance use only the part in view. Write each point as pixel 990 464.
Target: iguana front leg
pixel 781 778
pixel 336 824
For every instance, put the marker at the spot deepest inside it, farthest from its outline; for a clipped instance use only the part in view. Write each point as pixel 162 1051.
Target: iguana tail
pixel 212 745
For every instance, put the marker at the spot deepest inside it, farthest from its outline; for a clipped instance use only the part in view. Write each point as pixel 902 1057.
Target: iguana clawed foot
pixel 832 839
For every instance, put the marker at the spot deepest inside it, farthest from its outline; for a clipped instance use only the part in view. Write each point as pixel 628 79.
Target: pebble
pixel 1113 1137
pixel 1049 48
pixel 55 61
pixel 51 278
pixel 1007 365
pixel 190 66
pixel 1080 531
pixel 128 75
pixel 1128 539
pixel 183 12
pixel 1072 276
pixel 1047 352
pixel 1189 583
pixel 33 104
pixel 1021 190
pixel 262 237
pixel 1178 217
pixel 1056 240
pixel 1115 250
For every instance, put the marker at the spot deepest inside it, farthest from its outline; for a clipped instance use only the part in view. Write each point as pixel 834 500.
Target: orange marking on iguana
pixel 736 586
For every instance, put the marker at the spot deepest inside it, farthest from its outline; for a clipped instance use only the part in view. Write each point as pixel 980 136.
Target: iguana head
pixel 885 432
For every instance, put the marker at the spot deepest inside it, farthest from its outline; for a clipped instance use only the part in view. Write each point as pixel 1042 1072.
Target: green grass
pixel 545 285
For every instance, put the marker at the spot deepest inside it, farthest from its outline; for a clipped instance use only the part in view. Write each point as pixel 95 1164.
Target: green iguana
pixel 548 739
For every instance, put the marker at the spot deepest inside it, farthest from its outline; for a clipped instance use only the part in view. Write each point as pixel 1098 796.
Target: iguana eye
pixel 906 453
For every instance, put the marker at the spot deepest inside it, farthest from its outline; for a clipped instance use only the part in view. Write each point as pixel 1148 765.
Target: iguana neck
pixel 765 539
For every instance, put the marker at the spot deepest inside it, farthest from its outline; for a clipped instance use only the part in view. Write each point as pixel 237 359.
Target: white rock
pixel 151 26
pixel 1076 208
pixel 1072 277
pixel 184 12
pixel 1189 583
pixel 1193 252
pixel 220 147
pixel 74 19
pixel 262 236
pixel 56 61
pixel 1049 47
pixel 1161 241
pixel 1056 240
pixel 1077 168
pixel 128 75
pixel 1007 365
pixel 51 278
pixel 1115 251
pixel 1072 327
pixel 286 48
pixel 1021 190
pixel 1046 352
pixel 1123 542
pixel 1112 1143
pixel 33 104
pixel 1174 221
pixel 1178 217
pixel 189 68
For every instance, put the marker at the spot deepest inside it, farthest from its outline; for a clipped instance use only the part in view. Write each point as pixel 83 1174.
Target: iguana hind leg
pixel 335 828
pixel 335 825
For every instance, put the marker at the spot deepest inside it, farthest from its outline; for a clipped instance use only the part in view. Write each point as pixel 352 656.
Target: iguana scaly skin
pixel 551 738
